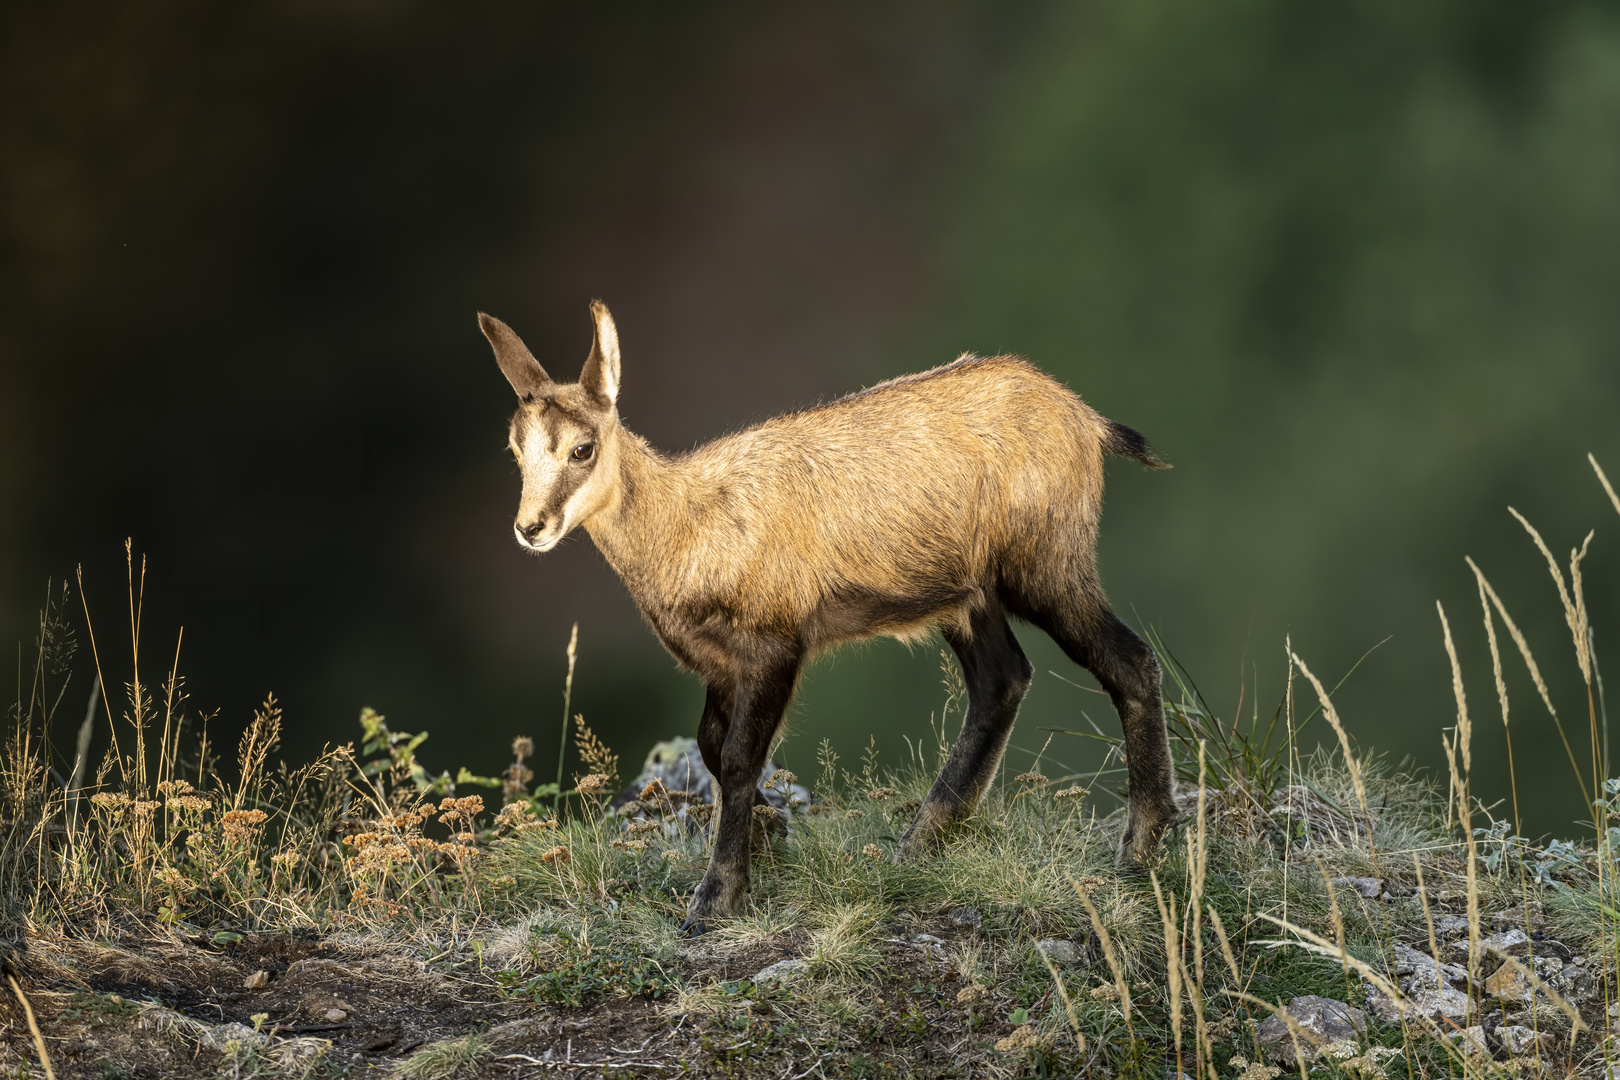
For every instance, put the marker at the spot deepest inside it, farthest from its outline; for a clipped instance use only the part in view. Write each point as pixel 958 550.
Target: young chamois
pixel 950 499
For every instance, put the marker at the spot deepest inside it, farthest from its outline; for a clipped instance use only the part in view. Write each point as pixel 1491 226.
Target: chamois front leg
pixel 997 675
pixel 758 704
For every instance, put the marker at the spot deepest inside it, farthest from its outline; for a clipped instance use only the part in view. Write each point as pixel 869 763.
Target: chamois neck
pixel 625 530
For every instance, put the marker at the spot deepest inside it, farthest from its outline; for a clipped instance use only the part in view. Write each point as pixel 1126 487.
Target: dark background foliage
pixel 1352 267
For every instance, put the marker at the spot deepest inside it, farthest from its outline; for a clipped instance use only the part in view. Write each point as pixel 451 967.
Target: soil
pixel 145 1005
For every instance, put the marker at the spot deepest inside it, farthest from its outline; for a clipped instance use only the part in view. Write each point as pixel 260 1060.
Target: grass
pixel 560 915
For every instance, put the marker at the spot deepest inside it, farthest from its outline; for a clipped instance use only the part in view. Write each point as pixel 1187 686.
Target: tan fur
pixel 948 499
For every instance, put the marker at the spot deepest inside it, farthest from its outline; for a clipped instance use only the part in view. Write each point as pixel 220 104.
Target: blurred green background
pixel 1353 267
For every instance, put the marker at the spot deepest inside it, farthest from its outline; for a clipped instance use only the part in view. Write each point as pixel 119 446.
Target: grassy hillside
pixel 186 910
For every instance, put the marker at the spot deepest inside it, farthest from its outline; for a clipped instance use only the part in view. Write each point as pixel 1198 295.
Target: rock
pixel 1421 998
pixel 256 981
pixel 782 971
pixel 1450 927
pixel 1419 966
pixel 1327 1028
pixel 1059 952
pixel 1518 916
pixel 1511 984
pixel 1517 1041
pixel 216 1038
pixel 300 1055
pixel 1505 943
pixel 679 764
pixel 967 915
pixel 1368 888
pixel 334 1016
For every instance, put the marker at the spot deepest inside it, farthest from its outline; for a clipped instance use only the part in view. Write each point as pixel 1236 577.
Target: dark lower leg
pixel 756 714
pixel 1127 669
pixel 997 675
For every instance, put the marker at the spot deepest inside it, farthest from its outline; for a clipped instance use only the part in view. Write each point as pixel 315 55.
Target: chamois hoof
pixel 693 927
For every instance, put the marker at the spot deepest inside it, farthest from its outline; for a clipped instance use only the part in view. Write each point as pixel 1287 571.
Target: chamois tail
pixel 1123 441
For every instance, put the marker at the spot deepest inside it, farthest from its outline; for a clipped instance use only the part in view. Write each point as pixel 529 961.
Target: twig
pixel 33 1027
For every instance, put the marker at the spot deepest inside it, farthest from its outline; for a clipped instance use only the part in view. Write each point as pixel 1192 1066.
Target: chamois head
pixel 564 435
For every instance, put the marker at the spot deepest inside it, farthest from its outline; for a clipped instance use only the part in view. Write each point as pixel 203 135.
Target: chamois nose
pixel 531 533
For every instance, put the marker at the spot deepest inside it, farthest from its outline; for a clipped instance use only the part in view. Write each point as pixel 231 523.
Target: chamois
pixel 949 499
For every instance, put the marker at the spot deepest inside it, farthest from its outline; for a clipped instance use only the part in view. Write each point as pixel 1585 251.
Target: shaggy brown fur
pixel 949 499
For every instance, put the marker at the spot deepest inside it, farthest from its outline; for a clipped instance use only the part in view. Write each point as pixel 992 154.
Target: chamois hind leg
pixel 711 743
pixel 1129 672
pixel 997 675
pixel 760 699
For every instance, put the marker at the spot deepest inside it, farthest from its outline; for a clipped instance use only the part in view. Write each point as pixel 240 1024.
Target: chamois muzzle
pixel 534 536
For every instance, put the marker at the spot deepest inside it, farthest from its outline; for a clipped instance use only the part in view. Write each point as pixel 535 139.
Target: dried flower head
pixel 700 812
pixel 1076 792
pixel 654 791
pixel 971 993
pixel 643 827
pixel 882 793
pixel 110 800
pixel 671 853
pixel 1091 883
pixel 522 747
pixel 1031 778
pixel 189 803
pixel 629 845
pixel 782 779
pixel 1105 992
pixel 513 815
pixel 557 855
pixel 591 783
pixel 764 811
pixel 854 813
pixel 240 824
pixel 873 852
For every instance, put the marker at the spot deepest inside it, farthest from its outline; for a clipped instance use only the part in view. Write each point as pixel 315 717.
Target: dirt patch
pixel 300 1005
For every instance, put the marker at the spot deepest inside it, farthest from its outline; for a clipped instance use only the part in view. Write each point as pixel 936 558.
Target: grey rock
pixel 780 972
pixel 217 1037
pixel 1417 966
pixel 679 764
pixel 967 915
pixel 1450 927
pixel 1420 998
pixel 1506 943
pixel 1368 888
pixel 1328 1028
pixel 1059 952
pixel 1517 1041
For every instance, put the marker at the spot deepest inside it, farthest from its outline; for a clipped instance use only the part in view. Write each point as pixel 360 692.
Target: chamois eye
pixel 583 451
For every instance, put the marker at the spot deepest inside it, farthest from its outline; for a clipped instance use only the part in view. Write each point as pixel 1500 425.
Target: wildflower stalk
pixel 568 701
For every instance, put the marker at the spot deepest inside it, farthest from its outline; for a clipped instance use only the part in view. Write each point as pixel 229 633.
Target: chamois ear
pixel 518 364
pixel 601 374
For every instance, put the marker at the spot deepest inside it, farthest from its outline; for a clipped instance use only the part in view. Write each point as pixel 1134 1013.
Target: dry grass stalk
pixel 1108 952
pixel 33 1027
pixel 1604 480
pixel 1350 762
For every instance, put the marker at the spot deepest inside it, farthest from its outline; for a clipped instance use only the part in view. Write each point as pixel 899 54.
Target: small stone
pixel 256 981
pixel 216 1038
pixel 1021 1039
pixel 782 971
pixel 1421 998
pixel 967 915
pixel 1368 888
pixel 1506 943
pixel 1328 1028
pixel 1517 1041
pixel 1059 952
pixel 334 1016
pixel 1448 927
